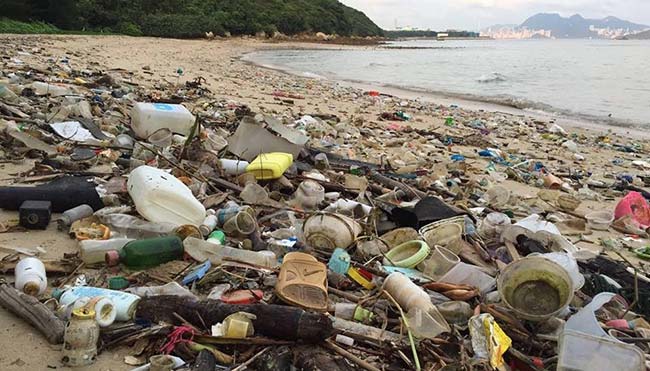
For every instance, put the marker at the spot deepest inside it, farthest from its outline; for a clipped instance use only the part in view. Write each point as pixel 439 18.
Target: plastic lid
pixel 31 288
pixel 112 258
pixel 83 313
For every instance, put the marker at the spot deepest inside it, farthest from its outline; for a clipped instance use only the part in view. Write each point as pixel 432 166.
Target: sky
pixel 477 14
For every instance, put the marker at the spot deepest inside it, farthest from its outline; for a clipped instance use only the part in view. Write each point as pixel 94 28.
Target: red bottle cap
pixel 112 258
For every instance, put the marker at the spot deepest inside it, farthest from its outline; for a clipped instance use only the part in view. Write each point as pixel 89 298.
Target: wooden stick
pixel 244 365
pixel 351 357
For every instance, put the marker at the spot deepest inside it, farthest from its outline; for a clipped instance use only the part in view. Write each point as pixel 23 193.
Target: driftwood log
pixel 51 267
pixel 33 312
pixel 274 321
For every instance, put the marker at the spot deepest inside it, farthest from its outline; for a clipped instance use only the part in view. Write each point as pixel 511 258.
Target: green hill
pixel 192 18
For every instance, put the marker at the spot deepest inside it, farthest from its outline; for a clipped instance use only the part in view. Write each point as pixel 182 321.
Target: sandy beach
pixel 219 62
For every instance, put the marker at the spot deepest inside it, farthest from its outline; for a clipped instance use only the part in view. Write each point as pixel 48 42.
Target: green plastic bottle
pixel 147 253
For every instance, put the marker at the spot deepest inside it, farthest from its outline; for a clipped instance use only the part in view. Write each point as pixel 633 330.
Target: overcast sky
pixel 476 14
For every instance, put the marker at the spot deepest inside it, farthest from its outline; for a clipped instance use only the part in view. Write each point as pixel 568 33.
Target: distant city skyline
pixel 474 15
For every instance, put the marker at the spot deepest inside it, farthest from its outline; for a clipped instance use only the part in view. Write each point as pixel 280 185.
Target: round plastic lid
pixel 31 288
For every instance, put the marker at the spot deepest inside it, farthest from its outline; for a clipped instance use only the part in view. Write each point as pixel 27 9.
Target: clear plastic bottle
pixel 129 226
pixel 43 88
pixel 202 250
pixel 6 94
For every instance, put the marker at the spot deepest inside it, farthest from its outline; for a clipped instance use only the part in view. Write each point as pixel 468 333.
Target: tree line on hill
pixel 193 18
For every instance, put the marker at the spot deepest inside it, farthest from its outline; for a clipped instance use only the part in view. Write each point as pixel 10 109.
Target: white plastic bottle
pixel 147 118
pixel 202 250
pixel 104 308
pixel 233 167
pixel 160 197
pixel 30 276
pixel 125 303
pixel 70 216
pixel 43 88
pixel 94 251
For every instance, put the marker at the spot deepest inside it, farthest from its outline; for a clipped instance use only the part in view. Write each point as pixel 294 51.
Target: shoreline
pixel 630 130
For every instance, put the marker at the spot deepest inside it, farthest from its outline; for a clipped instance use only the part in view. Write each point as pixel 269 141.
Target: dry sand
pixel 228 77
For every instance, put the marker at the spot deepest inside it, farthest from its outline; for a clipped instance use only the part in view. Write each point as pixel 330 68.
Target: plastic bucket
pixel 535 288
pixel 446 235
pixel 329 231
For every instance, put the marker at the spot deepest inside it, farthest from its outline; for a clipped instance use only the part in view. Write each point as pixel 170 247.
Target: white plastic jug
pixel 147 118
pixel 30 276
pixel 161 198
pixel 125 303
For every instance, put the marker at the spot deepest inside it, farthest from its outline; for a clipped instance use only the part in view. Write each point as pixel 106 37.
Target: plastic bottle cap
pixel 118 283
pixel 112 258
pixel 31 288
pixel 56 293
pixel 83 313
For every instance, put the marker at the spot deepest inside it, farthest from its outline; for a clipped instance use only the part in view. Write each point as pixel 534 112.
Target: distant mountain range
pixel 553 25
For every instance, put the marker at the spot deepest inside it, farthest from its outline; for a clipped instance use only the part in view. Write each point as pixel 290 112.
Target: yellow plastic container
pixel 270 165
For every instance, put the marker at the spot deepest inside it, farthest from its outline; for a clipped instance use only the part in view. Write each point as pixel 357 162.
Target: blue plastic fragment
pixel 197 273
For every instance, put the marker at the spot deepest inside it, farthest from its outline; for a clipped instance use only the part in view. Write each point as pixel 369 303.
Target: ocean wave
pixel 494 77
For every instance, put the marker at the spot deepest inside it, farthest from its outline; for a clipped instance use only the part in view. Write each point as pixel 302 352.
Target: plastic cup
pixel 242 223
pixel 440 262
pixel 161 138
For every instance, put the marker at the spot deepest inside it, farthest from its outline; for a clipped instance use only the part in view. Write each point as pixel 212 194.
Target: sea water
pixel 606 81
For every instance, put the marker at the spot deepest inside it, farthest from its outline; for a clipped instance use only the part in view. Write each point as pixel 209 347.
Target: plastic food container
pixel 583 352
pixel 270 165
pixel 408 254
pixel 600 220
pixel 445 235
